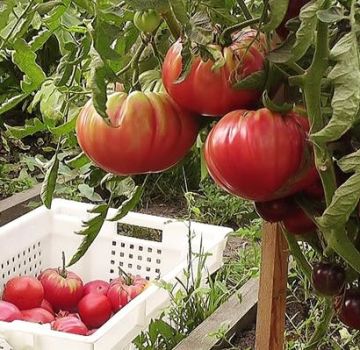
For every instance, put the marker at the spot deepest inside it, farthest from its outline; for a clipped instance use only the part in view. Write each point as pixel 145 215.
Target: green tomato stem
pixel 322 327
pixel 244 9
pixel 298 255
pixel 172 23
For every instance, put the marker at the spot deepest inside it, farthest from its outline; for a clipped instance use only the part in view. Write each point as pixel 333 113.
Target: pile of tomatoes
pixel 61 299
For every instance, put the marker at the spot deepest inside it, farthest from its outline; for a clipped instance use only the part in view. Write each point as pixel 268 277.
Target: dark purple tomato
pixel 299 223
pixel 328 278
pixel 348 308
pixel 276 210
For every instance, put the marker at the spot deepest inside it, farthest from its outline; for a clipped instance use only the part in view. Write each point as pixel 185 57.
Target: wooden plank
pixel 237 313
pixel 270 325
pixel 16 205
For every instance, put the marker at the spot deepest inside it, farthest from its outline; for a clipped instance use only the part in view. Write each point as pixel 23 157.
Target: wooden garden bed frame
pixel 267 298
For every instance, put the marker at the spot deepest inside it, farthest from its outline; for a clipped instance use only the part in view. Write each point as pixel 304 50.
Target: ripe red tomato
pixel 122 291
pixel 209 91
pixel 347 307
pixel 293 11
pixel 63 289
pixel 148 133
pixel 276 210
pixel 24 291
pixel 9 312
pixel 97 287
pixel 69 324
pixel 328 278
pixel 260 155
pixel 94 310
pixel 37 315
pixel 299 223
pixel 47 306
pixel 315 190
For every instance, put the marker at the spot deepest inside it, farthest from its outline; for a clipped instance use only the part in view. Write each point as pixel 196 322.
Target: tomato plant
pixel 208 87
pixel 240 152
pixel 166 134
pixel 94 310
pixel 215 58
pixel 24 291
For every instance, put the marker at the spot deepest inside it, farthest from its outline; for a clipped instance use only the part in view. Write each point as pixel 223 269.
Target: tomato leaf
pixel 330 15
pixel 278 10
pixel 38 41
pixel 49 184
pixel 31 127
pixel 12 102
pixel 64 128
pixel 158 5
pixel 335 217
pixel 91 229
pixel 25 59
pixel 345 77
pixel 306 33
pixel 129 204
pixel 5 11
pixel 255 81
pixel 98 84
pixel 104 35
pixel 79 161
pixel 179 8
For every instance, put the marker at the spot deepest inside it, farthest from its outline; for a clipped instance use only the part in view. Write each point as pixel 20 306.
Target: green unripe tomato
pixel 147 21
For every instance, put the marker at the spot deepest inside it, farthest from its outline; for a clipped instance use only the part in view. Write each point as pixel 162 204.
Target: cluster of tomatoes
pixel 59 298
pixel 253 152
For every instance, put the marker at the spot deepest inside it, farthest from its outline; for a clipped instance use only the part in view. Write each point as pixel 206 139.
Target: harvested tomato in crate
pixel 34 242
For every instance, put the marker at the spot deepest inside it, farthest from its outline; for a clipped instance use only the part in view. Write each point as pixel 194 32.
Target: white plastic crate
pixel 35 241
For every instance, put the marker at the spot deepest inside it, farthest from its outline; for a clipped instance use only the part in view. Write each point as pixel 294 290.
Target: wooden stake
pixel 270 325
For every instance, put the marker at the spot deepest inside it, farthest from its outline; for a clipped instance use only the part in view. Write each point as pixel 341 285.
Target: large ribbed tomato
pixel 209 91
pixel 260 155
pixel 148 133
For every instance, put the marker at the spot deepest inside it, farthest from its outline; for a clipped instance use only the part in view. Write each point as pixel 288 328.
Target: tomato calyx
pixel 275 107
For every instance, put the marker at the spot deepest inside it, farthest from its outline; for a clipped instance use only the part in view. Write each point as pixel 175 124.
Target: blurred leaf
pixel 89 193
pixel 64 128
pixel 346 99
pixel 104 36
pixel 31 127
pixel 99 77
pixel 5 10
pixel 255 81
pixel 79 161
pixel 90 231
pixel 278 9
pixel 12 102
pixel 330 15
pixel 49 184
pixel 25 59
pixel 129 204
